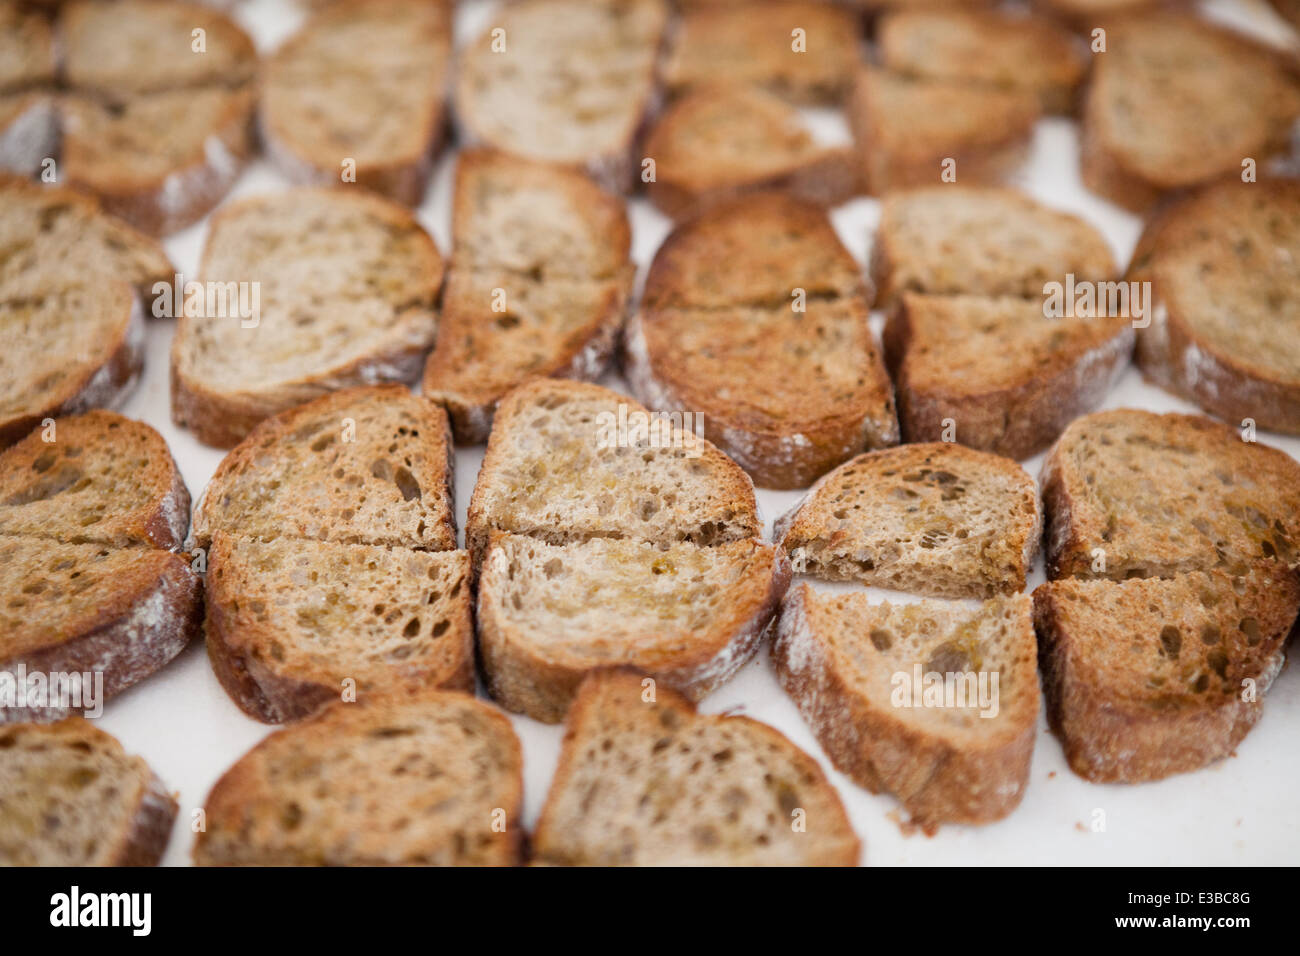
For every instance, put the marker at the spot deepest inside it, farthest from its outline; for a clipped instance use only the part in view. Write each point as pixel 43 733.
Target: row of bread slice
pixel 1171 558
pixel 436 779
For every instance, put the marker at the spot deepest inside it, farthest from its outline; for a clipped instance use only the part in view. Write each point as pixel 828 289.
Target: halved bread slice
pixel 722 140
pixel 347 285
pixel 1225 332
pixel 1132 494
pixel 156 127
pixel 687 615
pixel 933 702
pixel 91 610
pixel 988 47
pixel 320 93
pixel 754 252
pixel 937 519
pixel 1145 679
pixel 74 347
pixel 568 82
pixel 102 479
pixel 907 128
pixel 1176 101
pixel 74 797
pixel 360 466
pixel 434 781
pixel 535 219
pixel 786 375
pixel 555 327
pixel 566 462
pixel 294 624
pixel 1008 378
pixel 952 239
pixel 644 780
pixel 47 231
pixel 755 44
pixel 538 285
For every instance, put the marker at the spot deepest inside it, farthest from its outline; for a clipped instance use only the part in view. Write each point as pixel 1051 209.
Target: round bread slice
pixel 1176 102
pixel 934 702
pixel 96 478
pixel 74 348
pixel 434 781
pixel 754 44
pixel 1005 377
pixel 568 82
pixel 569 461
pixel 1133 494
pixel 721 140
pixel 158 120
pixel 116 615
pixel 346 287
pixel 361 466
pixel 293 625
pixel 56 233
pixel 987 47
pixel 74 797
pixel 1225 332
pixel 937 519
pixel 789 385
pixel 955 239
pixel 906 129
pixel 644 780
pixel 1145 679
pixel 321 94
pixel 689 616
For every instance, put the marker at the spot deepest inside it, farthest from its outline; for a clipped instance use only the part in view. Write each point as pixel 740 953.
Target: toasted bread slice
pixel 437 780
pixel 1132 494
pixel 91 610
pixel 786 375
pixel 1145 679
pixel 55 232
pixel 75 347
pixel 937 519
pixel 754 252
pixel 532 218
pixel 1225 332
pixel 906 129
pixel 538 286
pixel 294 624
pixel 568 82
pixel 156 127
pixel 361 466
pixel 987 47
pixel 346 284
pixel 74 797
pixel 1007 378
pixel 933 702
pixel 643 780
pixel 557 327
pixel 321 89
pixel 566 462
pixel 951 239
pixel 96 478
pixel 687 615
pixel 722 140
pixel 1175 102
pixel 755 44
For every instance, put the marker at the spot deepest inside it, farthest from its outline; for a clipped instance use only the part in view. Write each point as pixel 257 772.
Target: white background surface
pixel 1242 810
